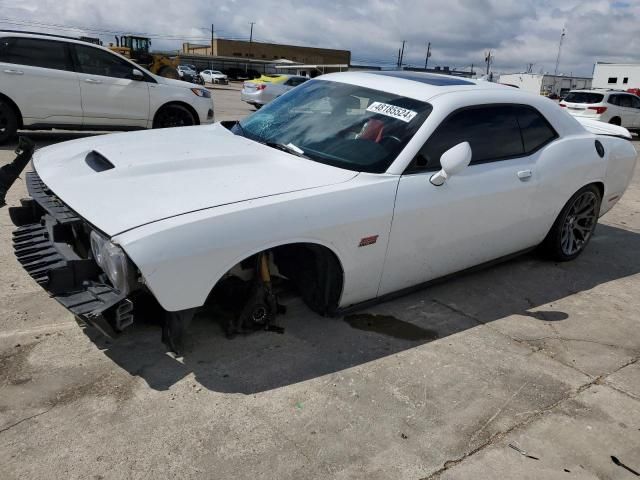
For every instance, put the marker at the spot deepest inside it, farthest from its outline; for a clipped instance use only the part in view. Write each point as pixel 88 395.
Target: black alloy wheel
pixel 8 122
pixel 575 225
pixel 173 116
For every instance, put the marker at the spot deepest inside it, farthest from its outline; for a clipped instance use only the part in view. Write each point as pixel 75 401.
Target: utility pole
pixel 472 70
pixel 488 59
pixel 212 35
pixel 401 54
pixel 426 60
pixel 251 34
pixel 555 72
pixel 398 60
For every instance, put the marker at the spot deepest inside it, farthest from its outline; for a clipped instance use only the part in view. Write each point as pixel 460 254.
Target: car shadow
pixel 313 346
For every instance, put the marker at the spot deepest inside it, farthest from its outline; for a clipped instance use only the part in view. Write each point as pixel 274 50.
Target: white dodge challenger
pixel 348 189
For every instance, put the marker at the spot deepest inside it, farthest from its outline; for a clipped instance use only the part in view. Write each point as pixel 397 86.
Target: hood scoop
pixel 98 162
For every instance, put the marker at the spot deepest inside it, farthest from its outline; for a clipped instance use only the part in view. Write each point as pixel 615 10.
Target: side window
pixel 35 52
pixel 98 62
pixel 614 100
pixel 492 132
pixel 536 130
pixel 635 102
pixel 4 49
pixel 625 101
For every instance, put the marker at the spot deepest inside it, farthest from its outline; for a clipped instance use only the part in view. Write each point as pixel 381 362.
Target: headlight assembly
pixel 113 261
pixel 201 92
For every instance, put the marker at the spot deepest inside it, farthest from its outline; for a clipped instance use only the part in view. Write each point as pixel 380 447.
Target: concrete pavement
pixel 539 355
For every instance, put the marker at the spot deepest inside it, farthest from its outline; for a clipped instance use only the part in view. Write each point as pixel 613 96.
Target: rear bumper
pixel 44 244
pixel 252 98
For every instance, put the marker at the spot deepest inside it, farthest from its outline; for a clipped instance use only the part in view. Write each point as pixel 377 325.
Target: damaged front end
pixel 54 245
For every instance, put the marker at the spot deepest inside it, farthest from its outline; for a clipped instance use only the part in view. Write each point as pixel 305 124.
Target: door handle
pixel 524 174
pixel 91 80
pixel 14 72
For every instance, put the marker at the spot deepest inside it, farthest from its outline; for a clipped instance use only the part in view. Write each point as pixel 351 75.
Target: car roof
pixel 48 36
pixel 417 85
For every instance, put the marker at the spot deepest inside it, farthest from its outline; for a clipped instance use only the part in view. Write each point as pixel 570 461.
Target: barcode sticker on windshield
pixel 392 111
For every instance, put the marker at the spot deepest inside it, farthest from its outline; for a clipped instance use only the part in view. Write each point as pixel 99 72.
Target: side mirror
pixel 137 74
pixel 453 161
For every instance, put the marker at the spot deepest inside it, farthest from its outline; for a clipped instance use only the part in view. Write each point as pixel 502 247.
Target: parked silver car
pixel 260 92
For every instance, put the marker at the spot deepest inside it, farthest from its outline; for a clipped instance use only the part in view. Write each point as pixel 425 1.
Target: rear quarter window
pixel 536 130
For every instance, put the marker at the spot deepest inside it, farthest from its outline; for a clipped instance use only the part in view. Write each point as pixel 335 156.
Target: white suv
pixel 49 82
pixel 610 106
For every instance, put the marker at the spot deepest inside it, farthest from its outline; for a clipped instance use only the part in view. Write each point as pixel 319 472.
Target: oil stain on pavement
pixel 390 326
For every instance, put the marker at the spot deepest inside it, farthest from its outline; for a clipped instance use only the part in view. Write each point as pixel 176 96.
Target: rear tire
pixel 8 122
pixel 173 116
pixel 574 227
pixel 615 121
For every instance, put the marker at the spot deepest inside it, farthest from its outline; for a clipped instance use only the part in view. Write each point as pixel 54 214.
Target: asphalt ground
pixel 527 370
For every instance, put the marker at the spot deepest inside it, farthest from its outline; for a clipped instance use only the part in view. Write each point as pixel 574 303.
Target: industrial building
pixel 545 84
pixel 221 47
pixel 619 76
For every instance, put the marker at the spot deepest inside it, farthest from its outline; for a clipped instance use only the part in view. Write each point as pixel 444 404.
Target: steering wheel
pixel 389 140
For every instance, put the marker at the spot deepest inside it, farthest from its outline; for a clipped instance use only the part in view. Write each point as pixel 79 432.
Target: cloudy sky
pixel 518 32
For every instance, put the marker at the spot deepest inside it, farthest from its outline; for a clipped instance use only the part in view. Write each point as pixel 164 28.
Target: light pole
pixel 426 60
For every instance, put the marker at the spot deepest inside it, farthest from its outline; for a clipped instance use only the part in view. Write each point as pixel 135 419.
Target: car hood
pixel 121 181
pixel 172 82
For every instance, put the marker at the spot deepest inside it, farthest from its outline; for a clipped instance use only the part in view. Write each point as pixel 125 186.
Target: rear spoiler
pixel 600 128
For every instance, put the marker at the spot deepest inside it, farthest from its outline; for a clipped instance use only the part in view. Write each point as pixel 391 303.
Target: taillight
pixel 562 105
pixel 599 110
pixel 261 87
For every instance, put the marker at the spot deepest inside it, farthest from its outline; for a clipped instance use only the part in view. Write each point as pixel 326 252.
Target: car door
pixel 485 212
pixel 38 76
pixel 635 104
pixel 110 94
pixel 628 113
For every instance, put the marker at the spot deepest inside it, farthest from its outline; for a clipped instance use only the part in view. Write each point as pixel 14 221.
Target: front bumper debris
pixel 47 244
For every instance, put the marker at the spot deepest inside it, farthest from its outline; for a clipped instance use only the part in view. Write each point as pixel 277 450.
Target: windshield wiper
pixel 241 130
pixel 289 148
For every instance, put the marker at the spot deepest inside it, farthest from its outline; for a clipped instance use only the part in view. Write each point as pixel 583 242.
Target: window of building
pixel 612 80
pixel 495 132
pixel 625 80
pixel 237 54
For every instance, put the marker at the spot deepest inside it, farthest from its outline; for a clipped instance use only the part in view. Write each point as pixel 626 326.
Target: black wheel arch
pixel 14 106
pixel 314 270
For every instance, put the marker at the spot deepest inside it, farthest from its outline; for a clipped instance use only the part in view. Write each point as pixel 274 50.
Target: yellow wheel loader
pixel 137 49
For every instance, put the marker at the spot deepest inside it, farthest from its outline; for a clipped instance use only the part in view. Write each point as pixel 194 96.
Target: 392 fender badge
pixel 368 241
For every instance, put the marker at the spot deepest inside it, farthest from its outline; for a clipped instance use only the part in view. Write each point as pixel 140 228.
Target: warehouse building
pixel 545 84
pixel 221 47
pixel 619 76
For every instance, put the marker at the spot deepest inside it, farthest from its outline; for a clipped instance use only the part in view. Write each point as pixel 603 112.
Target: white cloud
pixel 517 31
